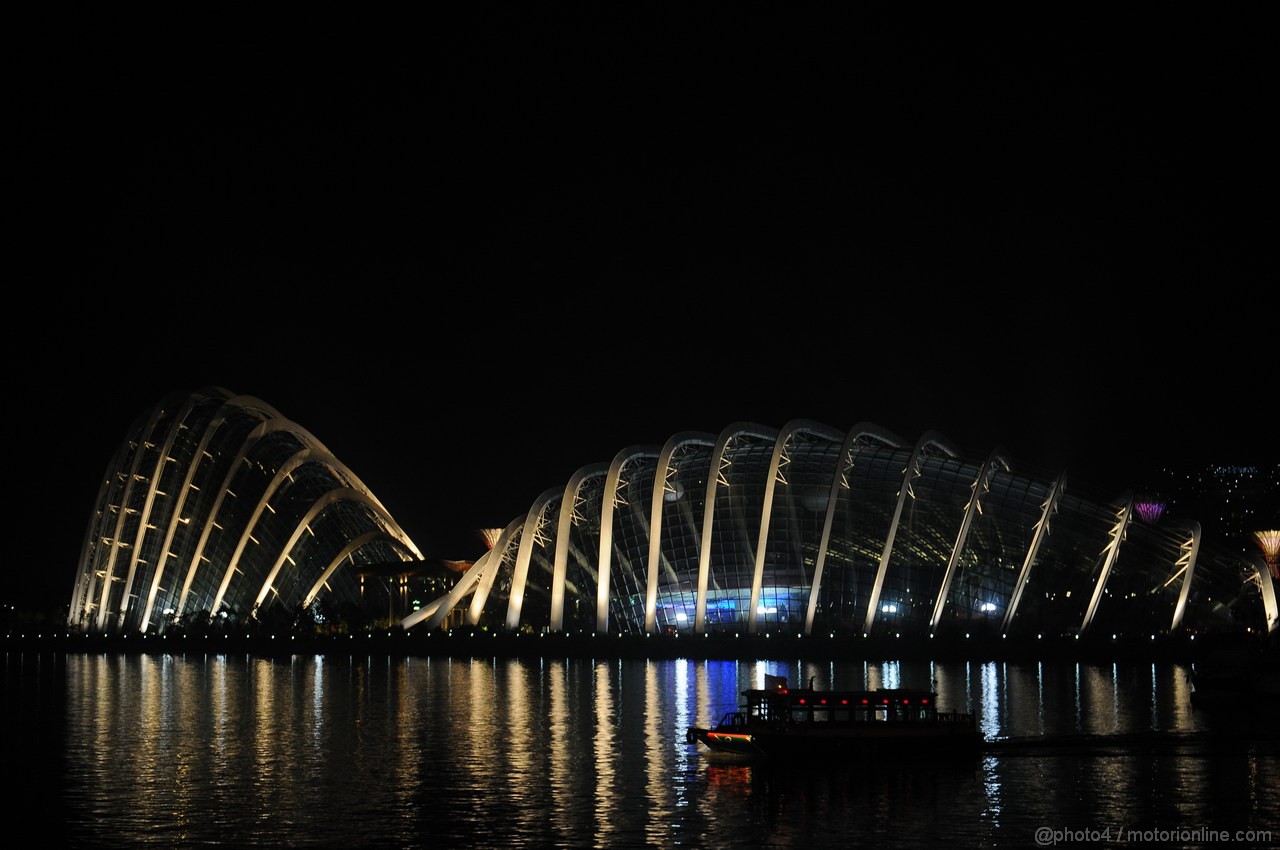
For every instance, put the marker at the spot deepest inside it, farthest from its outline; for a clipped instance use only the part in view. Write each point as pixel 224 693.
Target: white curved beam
pixel 436 611
pixel 714 472
pixel 531 536
pixel 663 472
pixel 122 513
pixel 862 435
pixel 302 457
pixel 608 502
pixel 795 426
pixel 980 487
pixel 1113 549
pixel 176 424
pixel 1269 603
pixel 1047 509
pixel 569 517
pixel 510 536
pixel 198 455
pixel 341 555
pixel 1187 563
pixel 340 494
pixel 909 475
pixel 82 603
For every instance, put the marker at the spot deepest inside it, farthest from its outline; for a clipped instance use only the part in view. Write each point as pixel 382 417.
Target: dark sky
pixel 474 252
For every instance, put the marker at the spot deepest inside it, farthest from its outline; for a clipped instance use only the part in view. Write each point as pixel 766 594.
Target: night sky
pixel 475 252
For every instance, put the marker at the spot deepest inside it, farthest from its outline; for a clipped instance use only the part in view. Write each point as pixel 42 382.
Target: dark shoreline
pixel 478 643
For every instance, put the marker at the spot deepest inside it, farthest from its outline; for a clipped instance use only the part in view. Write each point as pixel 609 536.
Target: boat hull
pixel 825 744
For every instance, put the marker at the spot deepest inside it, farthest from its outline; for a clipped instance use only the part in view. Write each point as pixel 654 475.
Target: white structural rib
pixel 335 562
pixel 569 517
pixel 198 456
pixel 1267 588
pixel 318 506
pixel 1187 566
pixel 613 482
pixel 980 487
pixel 211 520
pixel 313 455
pixel 780 449
pixel 176 424
pixel 721 457
pixel 1113 549
pixel 862 435
pixel 122 512
pixel 533 535
pixel 82 594
pixel 660 488
pixel 436 611
pixel 1047 509
pixel 497 557
pixel 930 440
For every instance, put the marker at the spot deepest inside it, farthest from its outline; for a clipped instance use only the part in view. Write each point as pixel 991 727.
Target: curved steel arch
pixel 862 434
pixel 308 455
pixel 437 610
pixel 368 537
pixel 175 427
pixel 981 485
pixel 1268 589
pixel 1112 551
pixel 122 514
pixel 607 503
pixel 568 516
pixel 790 429
pixel 1047 510
pixel 532 529
pixel 930 438
pixel 308 441
pixel 1190 551
pixel 664 470
pixel 262 429
pixel 484 583
pixel 714 472
pixel 338 494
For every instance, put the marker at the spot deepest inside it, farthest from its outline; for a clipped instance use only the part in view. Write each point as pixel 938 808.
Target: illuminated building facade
pixel 215 508
pixel 810 530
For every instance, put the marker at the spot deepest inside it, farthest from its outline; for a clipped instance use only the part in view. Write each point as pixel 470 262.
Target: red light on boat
pixel 924 701
pixel 782 690
pixel 906 702
pixel 802 700
pixel 823 701
pixel 864 702
pixel 886 702
pixel 846 702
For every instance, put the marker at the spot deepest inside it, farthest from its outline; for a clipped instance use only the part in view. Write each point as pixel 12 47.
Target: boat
pixel 779 722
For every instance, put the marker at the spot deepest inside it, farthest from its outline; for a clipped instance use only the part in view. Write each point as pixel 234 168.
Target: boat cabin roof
pixel 877 695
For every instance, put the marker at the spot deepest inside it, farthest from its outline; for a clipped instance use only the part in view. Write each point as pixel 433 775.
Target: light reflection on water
pixel 168 750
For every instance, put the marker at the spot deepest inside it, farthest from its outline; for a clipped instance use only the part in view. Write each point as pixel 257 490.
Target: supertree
pixel 1269 542
pixel 1150 510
